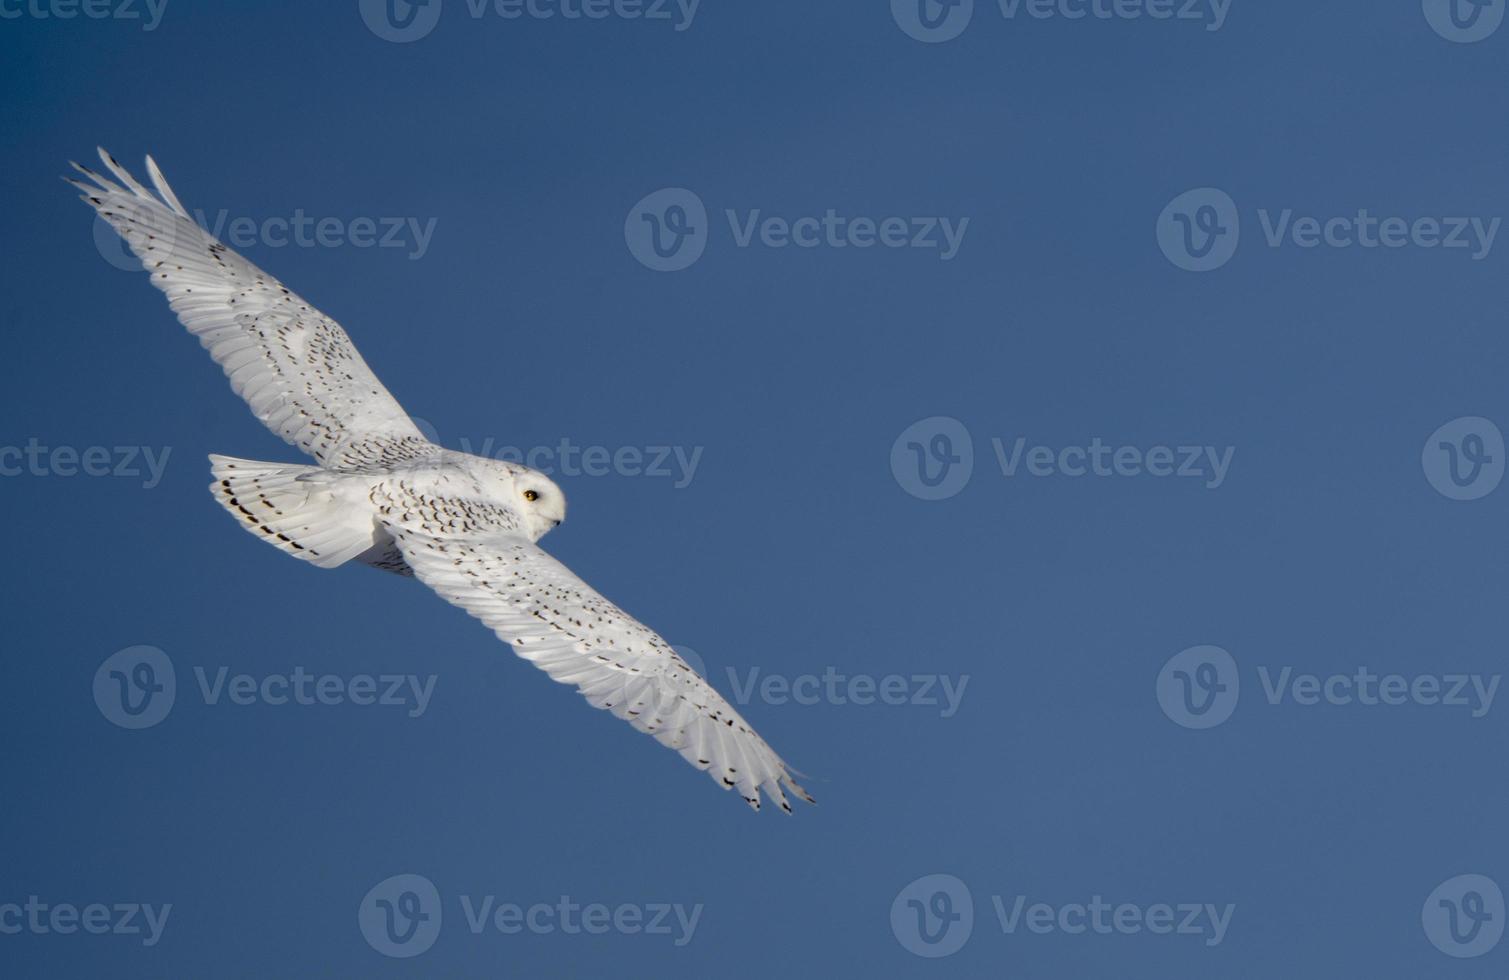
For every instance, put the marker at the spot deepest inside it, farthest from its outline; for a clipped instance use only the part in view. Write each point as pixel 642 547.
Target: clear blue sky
pixel 518 310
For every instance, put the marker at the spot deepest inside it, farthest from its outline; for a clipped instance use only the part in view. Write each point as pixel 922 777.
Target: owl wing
pixel 294 366
pixel 563 626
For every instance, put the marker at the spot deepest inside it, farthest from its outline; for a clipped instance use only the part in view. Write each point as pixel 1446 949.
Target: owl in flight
pixel 384 495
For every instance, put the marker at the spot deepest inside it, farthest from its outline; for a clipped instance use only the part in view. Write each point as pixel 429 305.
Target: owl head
pixel 541 503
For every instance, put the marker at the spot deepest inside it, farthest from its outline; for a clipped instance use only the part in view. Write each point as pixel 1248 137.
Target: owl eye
pixel 531 496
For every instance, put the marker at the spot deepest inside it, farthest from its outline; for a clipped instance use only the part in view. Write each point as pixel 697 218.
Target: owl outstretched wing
pixel 294 366
pixel 566 628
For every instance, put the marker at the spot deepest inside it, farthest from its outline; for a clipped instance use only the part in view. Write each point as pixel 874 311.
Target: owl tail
pixel 296 509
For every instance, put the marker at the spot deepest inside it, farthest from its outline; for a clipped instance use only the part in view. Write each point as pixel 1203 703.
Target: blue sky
pixel 1075 441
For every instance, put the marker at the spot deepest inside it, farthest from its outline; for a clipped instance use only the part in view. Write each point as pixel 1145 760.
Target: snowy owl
pixel 385 496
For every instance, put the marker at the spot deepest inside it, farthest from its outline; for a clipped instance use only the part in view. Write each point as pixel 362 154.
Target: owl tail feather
pixel 296 509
